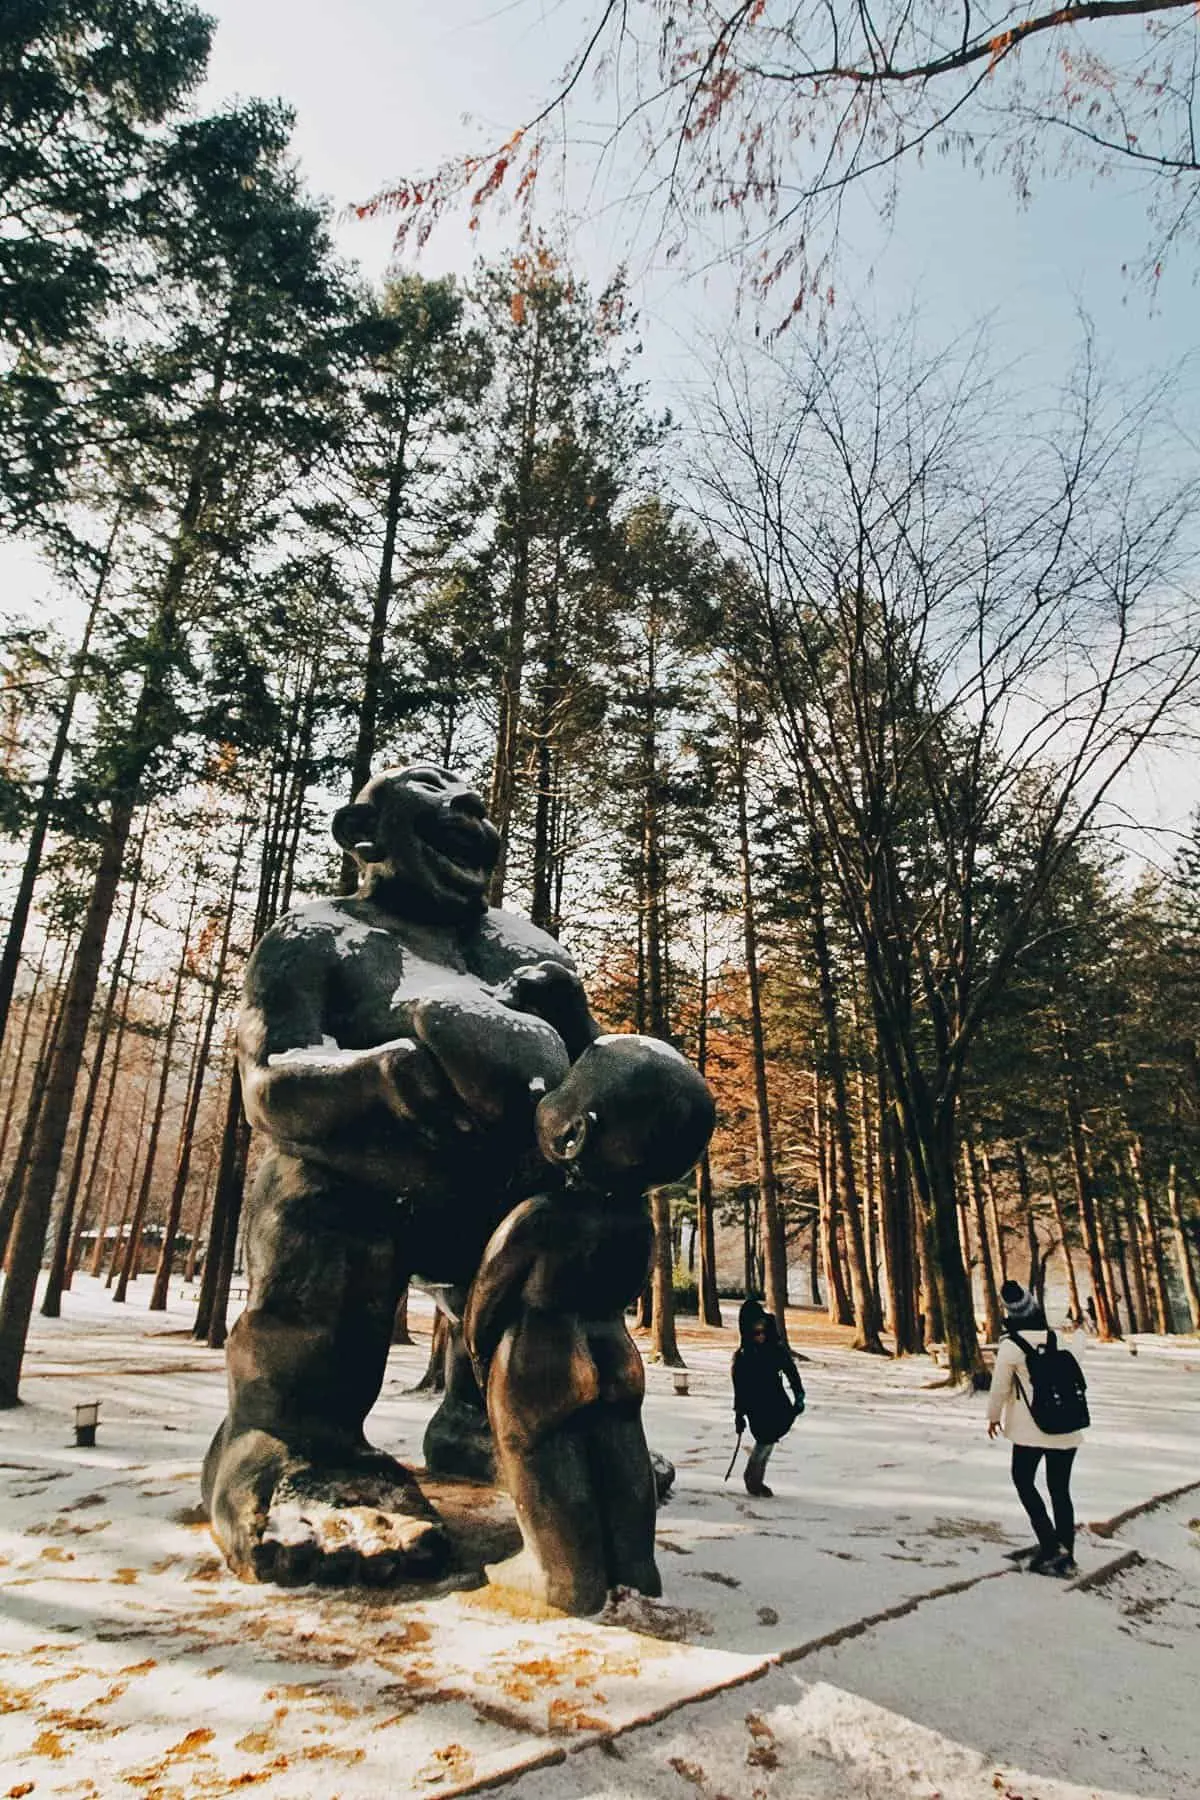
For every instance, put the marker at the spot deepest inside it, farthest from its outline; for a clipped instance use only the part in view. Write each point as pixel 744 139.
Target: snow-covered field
pixel 859 1635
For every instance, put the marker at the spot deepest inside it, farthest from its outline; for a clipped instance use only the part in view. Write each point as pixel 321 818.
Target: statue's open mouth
pixel 461 851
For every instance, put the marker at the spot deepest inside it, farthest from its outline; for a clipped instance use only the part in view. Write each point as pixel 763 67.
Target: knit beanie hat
pixel 1018 1301
pixel 751 1313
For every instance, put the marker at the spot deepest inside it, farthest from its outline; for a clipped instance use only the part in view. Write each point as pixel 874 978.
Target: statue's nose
pixel 468 802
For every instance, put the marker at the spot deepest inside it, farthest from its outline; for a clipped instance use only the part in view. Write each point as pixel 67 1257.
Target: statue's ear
pixel 354 828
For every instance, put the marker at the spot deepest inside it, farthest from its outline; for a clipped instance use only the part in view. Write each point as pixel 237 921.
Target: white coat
pixel 1007 1404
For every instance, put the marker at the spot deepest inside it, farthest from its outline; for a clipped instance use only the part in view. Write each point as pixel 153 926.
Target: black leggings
pixel 1025 1460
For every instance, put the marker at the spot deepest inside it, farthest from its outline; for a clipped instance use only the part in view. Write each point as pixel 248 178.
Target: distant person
pixel 1036 1399
pixel 761 1365
pixel 1091 1323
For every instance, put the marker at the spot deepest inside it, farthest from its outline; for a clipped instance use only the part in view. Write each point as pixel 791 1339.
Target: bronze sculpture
pixel 545 1324
pixel 395 1049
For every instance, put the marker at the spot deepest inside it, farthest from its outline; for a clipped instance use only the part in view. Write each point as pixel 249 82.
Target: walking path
pixel 860 1635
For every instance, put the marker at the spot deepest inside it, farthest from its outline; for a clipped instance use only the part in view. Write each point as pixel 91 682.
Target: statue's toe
pixel 367 1521
pixel 344 1526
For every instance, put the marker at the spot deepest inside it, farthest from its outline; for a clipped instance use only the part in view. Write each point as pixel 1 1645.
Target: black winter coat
pixel 759 1372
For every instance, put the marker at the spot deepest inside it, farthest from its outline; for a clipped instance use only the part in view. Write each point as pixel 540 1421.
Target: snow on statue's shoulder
pixel 652 1044
pixel 326 1052
pixel 326 918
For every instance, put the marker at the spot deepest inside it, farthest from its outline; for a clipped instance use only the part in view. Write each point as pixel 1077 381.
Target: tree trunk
pixel 898 1225
pixel 133 1249
pixel 1125 1207
pixel 193 1255
pixel 368 706
pixel 104 1219
pixel 59 1276
pixel 235 1175
pixel 10 958
pixel 710 1302
pixel 110 1186
pixel 1037 1276
pixel 158 1299
pixel 29 1232
pixel 542 887
pixel 1152 1238
pixel 934 1331
pixel 1117 1259
pixel 47 1046
pixel 1187 1272
pixel 749 1284
pixel 774 1243
pixel 508 731
pixel 18 1063
pixel 837 1300
pixel 1106 1320
pixel 862 1287
pixel 213 1303
pixel 993 1204
pixel 135 1165
pixel 926 1114
pixel 663 1343
pixel 114 1072
pixel 991 1299
pixel 1061 1221
pixel 958 1309
pixel 872 1181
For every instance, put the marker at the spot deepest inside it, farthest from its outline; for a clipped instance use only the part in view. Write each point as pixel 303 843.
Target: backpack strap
pixel 1051 1343
pixel 1030 1351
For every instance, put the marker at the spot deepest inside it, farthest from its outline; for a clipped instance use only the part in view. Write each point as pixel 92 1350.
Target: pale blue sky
pixel 381 88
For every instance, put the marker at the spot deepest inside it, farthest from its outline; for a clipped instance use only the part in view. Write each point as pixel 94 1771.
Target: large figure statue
pixel 394 1048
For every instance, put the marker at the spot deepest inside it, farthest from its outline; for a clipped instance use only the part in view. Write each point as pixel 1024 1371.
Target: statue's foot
pixel 664 1475
pixel 368 1522
pixel 641 1574
pixel 523 1575
pixel 458 1443
pixel 281 1519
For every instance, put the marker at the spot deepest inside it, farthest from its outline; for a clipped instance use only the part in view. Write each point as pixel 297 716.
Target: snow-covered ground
pixel 859 1635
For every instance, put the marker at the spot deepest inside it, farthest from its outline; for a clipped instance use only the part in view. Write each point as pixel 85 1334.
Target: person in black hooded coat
pixel 761 1365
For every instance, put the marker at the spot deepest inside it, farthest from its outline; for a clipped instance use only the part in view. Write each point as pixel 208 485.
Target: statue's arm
pixel 496 1293
pixel 299 1084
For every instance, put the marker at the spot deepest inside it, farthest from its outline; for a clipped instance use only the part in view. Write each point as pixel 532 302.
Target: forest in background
pixel 805 718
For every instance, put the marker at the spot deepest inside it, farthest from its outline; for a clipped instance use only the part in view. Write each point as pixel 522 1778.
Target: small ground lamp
pixel 87 1417
pixel 681 1381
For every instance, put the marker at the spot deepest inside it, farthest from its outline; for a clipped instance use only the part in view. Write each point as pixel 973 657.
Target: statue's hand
pixel 552 992
pixel 417 1091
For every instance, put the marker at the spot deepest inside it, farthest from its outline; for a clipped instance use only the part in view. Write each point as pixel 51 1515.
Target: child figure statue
pixel 545 1324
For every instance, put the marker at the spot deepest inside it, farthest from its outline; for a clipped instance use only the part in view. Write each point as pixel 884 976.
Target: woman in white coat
pixel 1008 1411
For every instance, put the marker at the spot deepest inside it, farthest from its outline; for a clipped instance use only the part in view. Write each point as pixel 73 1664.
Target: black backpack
pixel 1058 1396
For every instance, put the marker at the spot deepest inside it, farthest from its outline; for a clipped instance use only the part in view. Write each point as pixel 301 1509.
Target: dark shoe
pixel 1064 1565
pixel 761 1492
pixel 1039 1563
